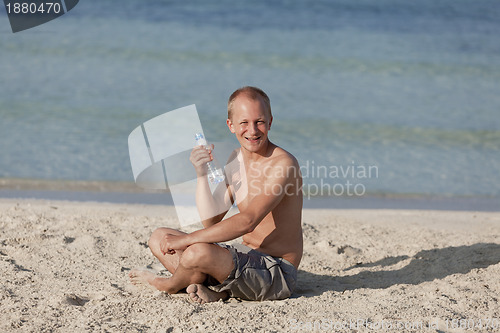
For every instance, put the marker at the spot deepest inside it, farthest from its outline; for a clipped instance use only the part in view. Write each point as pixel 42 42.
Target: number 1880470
pixel 33 8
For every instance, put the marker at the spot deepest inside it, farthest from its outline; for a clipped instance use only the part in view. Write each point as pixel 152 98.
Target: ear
pixel 230 125
pixel 270 122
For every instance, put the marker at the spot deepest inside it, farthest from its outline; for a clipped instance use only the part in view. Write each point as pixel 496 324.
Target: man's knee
pixel 197 254
pixel 157 236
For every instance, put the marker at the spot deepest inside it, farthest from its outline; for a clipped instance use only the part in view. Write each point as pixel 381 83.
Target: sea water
pixel 408 90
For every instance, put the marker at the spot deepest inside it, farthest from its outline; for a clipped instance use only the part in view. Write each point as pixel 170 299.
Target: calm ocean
pixel 391 96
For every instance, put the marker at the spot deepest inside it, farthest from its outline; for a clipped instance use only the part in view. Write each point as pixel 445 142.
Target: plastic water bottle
pixel 215 175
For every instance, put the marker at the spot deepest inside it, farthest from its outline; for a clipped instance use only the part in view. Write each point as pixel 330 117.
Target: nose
pixel 253 129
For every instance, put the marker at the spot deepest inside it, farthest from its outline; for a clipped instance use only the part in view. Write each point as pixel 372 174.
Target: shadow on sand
pixel 426 265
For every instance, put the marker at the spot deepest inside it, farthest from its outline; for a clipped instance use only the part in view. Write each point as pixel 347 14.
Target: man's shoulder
pixel 233 160
pixel 281 157
pixel 283 165
pixel 234 154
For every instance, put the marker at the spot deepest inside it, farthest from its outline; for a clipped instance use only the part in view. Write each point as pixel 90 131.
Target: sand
pixel 64 268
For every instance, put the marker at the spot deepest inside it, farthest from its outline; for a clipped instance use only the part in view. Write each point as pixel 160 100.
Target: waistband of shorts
pixel 236 245
pixel 288 263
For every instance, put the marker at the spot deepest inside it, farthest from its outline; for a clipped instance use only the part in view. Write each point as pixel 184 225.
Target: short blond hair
pixel 253 93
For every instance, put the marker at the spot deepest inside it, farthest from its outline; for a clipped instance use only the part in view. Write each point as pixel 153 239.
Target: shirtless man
pixel 264 180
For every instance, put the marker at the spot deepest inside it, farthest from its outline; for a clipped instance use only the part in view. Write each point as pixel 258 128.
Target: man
pixel 264 180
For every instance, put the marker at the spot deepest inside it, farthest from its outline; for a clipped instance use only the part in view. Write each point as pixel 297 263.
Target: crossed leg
pixel 189 268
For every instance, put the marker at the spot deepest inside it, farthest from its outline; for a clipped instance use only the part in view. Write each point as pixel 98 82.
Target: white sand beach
pixel 65 265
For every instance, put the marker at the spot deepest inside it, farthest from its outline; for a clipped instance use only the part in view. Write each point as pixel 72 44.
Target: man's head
pixel 250 118
pixel 252 93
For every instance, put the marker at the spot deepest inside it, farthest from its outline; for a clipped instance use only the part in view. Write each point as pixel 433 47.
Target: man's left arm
pixel 271 193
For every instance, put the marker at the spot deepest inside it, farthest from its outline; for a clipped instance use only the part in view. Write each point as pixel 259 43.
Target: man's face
pixel 250 123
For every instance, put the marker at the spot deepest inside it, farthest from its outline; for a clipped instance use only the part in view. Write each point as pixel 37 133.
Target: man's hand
pixel 172 243
pixel 200 156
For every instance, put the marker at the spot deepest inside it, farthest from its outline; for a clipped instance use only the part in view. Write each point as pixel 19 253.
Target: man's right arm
pixel 211 207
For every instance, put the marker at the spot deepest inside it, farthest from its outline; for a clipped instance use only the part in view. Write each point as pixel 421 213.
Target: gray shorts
pixel 257 276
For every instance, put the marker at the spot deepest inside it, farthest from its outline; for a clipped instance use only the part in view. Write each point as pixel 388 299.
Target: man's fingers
pixel 200 154
pixel 201 158
pixel 169 251
pixel 164 246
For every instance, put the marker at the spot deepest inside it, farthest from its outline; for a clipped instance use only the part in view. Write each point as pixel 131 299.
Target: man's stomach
pixel 290 251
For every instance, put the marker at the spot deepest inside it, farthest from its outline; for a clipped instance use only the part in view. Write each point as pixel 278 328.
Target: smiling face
pixel 250 122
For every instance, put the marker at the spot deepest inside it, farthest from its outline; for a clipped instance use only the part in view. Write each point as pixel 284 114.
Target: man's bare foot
pixel 142 277
pixel 201 294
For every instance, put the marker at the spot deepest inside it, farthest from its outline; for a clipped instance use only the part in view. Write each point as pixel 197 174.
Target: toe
pixel 192 289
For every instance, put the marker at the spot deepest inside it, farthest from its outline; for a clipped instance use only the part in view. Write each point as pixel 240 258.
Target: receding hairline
pixel 252 93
